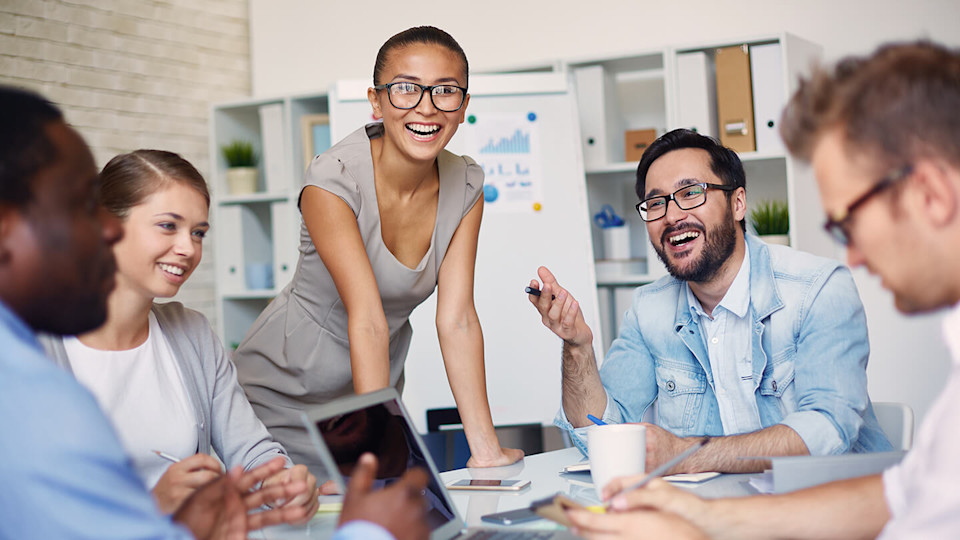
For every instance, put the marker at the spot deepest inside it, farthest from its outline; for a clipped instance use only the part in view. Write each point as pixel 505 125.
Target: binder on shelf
pixel 273 144
pixel 230 249
pixel 595 93
pixel 286 240
pixel 766 70
pixel 696 93
pixel 735 98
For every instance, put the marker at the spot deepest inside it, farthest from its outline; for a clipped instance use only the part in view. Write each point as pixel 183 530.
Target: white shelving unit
pixel 261 229
pixel 663 90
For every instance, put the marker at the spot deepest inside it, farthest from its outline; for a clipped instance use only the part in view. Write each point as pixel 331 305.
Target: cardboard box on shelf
pixel 637 141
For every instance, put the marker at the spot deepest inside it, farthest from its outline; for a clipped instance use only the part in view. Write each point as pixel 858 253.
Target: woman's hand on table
pixel 506 456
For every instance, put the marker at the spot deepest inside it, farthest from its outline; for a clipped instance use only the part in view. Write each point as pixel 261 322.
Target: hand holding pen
pixel 662 470
pixel 596 420
pixel 182 478
pixel 559 310
pixel 166 456
pixel 661 510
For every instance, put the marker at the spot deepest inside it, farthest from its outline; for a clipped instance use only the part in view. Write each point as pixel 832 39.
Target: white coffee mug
pixel 615 450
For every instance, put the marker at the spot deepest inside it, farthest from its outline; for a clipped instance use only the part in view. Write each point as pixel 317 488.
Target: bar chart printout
pixel 518 143
pixel 507 146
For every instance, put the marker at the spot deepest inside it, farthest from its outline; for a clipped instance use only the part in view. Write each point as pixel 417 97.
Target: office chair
pixel 896 421
pixel 447 442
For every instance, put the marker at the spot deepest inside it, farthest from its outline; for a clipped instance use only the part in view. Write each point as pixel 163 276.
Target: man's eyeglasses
pixel 686 198
pixel 407 95
pixel 838 225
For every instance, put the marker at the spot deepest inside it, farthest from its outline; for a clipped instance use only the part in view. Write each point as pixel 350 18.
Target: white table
pixel 543 471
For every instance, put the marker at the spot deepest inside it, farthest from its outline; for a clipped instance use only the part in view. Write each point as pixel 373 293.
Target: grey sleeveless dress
pixel 297 352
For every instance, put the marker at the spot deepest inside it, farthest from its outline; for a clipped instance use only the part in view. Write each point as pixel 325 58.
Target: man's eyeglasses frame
pixel 673 197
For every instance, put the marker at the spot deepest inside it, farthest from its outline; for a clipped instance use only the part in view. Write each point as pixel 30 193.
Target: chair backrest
pixel 526 437
pixel 449 448
pixel 437 418
pixel 896 421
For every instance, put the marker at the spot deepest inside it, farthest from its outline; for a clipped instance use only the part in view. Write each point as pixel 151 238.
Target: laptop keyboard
pixel 496 534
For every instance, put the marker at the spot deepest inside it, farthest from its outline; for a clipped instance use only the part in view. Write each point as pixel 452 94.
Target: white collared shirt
pixel 727 338
pixel 923 491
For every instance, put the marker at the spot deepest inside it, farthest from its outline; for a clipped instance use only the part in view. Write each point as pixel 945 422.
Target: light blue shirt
pixel 727 337
pixel 808 355
pixel 65 474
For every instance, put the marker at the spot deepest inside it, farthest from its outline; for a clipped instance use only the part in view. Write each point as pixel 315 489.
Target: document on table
pixel 683 478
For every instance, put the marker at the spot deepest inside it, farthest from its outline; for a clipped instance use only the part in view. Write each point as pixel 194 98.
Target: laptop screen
pixel 382 429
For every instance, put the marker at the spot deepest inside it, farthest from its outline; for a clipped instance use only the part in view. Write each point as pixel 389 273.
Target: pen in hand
pixel 536 292
pixel 596 420
pixel 167 456
pixel 659 471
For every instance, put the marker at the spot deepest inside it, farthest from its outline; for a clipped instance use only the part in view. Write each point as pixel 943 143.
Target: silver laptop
pixel 377 422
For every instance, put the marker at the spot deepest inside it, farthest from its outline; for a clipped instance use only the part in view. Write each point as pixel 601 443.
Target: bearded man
pixel 763 348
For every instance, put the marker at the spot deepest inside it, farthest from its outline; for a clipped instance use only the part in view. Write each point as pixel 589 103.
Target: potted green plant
pixel 771 219
pixel 241 167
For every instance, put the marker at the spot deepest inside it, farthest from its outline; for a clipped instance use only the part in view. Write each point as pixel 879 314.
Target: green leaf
pixel 239 154
pixel 771 217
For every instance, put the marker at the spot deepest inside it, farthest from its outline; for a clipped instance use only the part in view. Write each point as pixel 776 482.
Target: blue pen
pixel 596 420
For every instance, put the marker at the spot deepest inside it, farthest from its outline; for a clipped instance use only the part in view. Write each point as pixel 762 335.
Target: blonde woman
pixel 158 370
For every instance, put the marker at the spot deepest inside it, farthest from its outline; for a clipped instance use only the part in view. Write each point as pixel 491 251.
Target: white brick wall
pixel 134 74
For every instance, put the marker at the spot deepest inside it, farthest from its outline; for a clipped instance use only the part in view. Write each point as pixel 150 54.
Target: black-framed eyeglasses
pixel 838 225
pixel 407 95
pixel 687 198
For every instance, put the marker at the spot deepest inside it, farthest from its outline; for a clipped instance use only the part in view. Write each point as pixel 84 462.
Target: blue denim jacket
pixel 810 353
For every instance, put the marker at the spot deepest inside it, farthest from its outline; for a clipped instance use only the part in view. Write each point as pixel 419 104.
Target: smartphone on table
pixel 554 508
pixel 511 517
pixel 489 485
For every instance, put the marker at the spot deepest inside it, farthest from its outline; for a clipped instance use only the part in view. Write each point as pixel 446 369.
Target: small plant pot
pixel 242 180
pixel 616 243
pixel 778 239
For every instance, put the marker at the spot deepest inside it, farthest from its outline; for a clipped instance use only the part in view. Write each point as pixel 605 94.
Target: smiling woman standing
pixel 389 215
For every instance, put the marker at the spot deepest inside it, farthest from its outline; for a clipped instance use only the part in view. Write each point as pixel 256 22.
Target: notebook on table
pixel 378 422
